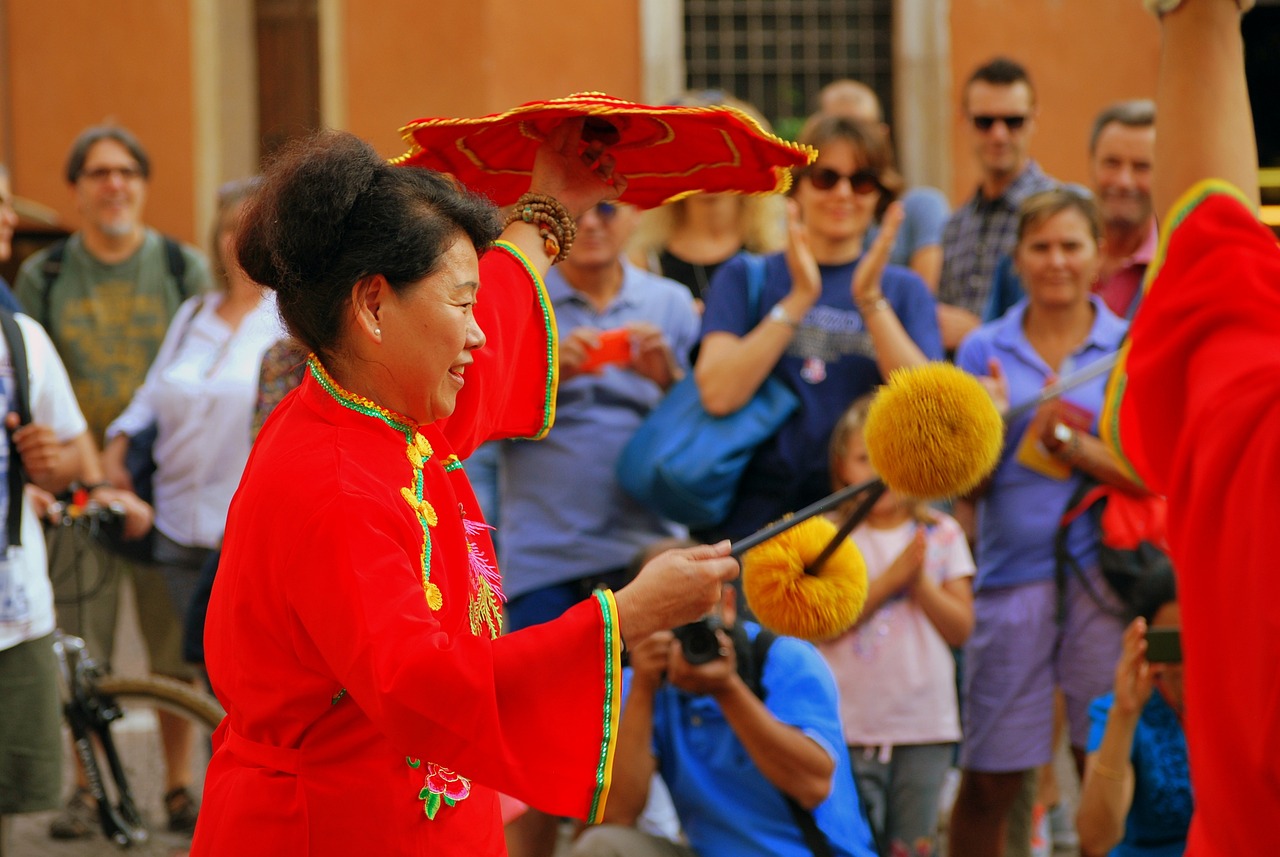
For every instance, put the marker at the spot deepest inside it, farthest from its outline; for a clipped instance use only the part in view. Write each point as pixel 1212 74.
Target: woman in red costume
pixel 352 634
pixel 1195 411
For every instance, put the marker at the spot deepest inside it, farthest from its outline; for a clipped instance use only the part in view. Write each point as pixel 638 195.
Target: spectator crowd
pixel 975 654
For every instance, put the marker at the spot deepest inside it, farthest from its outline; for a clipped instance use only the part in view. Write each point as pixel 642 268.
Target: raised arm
pixel 731 368
pixel 1107 791
pixel 893 345
pixel 1206 125
pixel 577 179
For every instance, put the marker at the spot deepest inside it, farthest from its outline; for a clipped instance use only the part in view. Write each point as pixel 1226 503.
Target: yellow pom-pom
pixel 933 431
pixel 787 600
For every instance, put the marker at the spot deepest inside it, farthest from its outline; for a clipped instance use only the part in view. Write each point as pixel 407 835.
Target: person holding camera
pixel 744 729
pixel 1136 797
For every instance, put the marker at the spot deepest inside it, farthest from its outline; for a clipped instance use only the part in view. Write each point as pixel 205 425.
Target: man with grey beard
pixel 105 296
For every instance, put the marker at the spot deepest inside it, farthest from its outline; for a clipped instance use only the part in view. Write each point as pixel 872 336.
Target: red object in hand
pixel 615 347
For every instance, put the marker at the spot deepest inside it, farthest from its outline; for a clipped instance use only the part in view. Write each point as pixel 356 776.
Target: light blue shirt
pixel 1018 517
pixel 564 515
pixel 726 806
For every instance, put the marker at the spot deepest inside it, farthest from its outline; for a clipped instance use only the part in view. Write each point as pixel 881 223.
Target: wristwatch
pixel 1068 449
pixel 779 314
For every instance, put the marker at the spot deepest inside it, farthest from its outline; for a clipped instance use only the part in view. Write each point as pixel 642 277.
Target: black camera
pixel 698 641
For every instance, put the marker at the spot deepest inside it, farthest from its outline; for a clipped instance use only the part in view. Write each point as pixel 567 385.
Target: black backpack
pixel 51 269
pixel 17 476
pixel 751 658
pixel 1133 542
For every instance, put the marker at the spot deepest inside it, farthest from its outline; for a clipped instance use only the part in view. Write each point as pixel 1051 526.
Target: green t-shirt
pixel 107 321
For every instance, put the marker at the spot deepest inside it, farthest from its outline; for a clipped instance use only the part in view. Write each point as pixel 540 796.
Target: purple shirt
pixel 1018 516
pixel 564 516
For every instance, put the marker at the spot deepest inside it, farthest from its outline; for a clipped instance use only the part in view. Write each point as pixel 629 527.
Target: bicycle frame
pixel 90 714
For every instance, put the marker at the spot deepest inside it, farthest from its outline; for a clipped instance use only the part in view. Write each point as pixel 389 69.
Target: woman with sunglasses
pixel 831 322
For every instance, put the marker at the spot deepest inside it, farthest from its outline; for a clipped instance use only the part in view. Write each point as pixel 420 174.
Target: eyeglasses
pixel 606 211
pixel 102 174
pixel 863 182
pixel 986 123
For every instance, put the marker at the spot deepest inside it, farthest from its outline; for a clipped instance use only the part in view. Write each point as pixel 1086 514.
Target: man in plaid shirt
pixel 1000 106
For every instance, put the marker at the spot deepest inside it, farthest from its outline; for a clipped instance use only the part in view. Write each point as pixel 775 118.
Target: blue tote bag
pixel 686 464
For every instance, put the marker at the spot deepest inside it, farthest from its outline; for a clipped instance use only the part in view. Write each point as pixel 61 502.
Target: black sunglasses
pixel 606 211
pixel 986 123
pixel 863 182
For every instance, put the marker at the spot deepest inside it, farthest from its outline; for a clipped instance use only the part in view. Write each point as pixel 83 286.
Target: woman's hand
pixel 1134 677
pixel 578 175
pixel 868 275
pixel 113 468
pixel 806 280
pixel 996 385
pixel 674 588
pixel 1045 419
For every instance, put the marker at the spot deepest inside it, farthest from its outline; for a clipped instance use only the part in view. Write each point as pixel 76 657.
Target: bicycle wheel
pixel 138 744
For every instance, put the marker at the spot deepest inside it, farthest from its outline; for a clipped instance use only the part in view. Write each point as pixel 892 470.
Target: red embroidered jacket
pixel 1195 409
pixel 352 632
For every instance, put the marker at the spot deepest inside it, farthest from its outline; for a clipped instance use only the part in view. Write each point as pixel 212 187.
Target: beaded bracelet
pixel 556 227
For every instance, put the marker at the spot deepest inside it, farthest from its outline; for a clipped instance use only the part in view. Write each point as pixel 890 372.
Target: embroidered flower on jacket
pixel 442 787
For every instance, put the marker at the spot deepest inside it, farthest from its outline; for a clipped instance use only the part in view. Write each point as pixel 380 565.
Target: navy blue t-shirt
pixel 829 363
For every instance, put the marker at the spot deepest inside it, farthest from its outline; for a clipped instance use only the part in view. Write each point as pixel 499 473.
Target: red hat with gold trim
pixel 665 152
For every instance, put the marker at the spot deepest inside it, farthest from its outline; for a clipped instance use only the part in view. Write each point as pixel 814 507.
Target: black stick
pixel 858 515
pixel 817 508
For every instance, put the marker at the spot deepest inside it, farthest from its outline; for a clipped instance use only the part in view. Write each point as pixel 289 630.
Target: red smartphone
pixel 615 347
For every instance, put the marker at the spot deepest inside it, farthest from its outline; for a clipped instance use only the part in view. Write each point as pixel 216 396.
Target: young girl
pixel 895 668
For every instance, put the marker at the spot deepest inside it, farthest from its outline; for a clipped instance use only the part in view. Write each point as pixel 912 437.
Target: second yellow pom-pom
pixel 789 601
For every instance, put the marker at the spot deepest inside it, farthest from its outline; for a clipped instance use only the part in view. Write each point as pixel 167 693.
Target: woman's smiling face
pixel 428 332
pixel 839 213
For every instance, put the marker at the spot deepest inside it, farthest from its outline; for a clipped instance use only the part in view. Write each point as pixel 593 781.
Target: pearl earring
pixel 377 331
